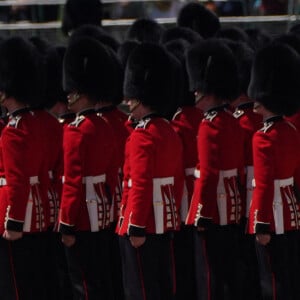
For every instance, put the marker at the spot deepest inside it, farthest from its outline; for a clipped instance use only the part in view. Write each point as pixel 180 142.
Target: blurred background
pixel 43 17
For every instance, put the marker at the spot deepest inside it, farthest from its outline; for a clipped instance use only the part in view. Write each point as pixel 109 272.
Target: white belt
pixel 163 181
pixel 34 180
pixel 228 173
pixel 50 174
pixel 279 182
pixel 189 171
pixel 3 181
pixel 197 173
pixel 94 179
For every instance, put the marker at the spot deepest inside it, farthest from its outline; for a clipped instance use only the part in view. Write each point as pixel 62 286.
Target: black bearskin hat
pixel 275 79
pixel 80 12
pixel 177 32
pixel 289 39
pixel 178 48
pixel 19 70
pixel 125 49
pixel 54 68
pixel 197 17
pixel 147 76
pixel 244 56
pixel 257 38
pixel 88 68
pixel 145 30
pixel 212 69
pixel 97 33
pixel 233 33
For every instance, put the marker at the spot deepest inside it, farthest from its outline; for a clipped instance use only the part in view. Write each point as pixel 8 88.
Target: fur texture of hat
pixel 178 48
pixel 177 32
pixel 244 56
pixel 145 30
pixel 275 79
pixel 235 34
pixel 147 76
pixel 80 12
pixel 19 70
pixel 212 69
pixel 197 17
pixel 89 69
pixel 97 33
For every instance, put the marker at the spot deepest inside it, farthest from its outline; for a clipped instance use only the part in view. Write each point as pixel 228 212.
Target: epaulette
pixel 266 127
pixel 143 123
pixel 210 115
pixel 77 121
pixel 238 113
pixel 14 121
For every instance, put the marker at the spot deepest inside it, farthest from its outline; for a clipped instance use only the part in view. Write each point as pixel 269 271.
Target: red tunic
pixel 186 123
pixel 89 174
pixel 250 122
pixel 274 207
pixel 23 198
pixel 116 119
pixel 216 195
pixel 53 134
pixel 153 179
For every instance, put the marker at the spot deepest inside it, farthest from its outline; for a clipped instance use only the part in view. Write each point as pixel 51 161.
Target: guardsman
pixel 274 211
pixel 24 208
pixel 153 179
pixel 216 204
pixel 89 170
pixel 250 122
pixel 185 122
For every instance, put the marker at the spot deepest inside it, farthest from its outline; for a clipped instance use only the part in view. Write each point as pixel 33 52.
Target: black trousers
pixel 223 252
pixel 148 271
pixel 185 263
pixel 279 267
pixel 23 271
pixel 89 266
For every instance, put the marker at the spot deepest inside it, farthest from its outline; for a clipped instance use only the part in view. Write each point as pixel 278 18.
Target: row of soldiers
pixel 194 196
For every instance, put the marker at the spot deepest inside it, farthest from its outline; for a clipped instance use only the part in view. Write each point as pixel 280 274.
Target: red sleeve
pixel 140 195
pixel 72 188
pixel 261 206
pixel 208 149
pixel 16 165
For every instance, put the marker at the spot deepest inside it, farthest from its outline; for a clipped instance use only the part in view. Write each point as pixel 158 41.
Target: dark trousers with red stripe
pixel 22 268
pixel 148 271
pixel 89 266
pixel 279 267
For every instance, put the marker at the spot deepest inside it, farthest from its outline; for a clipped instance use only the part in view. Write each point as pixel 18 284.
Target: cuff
pixel 136 231
pixel 262 228
pixel 204 222
pixel 66 229
pixel 14 225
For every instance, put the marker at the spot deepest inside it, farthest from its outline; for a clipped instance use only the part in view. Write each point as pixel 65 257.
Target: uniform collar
pixel 86 112
pixel 245 105
pixel 216 109
pixel 273 119
pixel 150 116
pixel 19 111
pixel 106 108
pixel 68 115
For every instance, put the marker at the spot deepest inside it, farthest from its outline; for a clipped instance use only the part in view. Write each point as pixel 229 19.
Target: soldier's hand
pixel 263 239
pixel 137 241
pixel 11 235
pixel 68 240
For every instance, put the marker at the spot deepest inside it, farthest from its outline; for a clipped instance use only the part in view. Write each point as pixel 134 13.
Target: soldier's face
pixel 133 104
